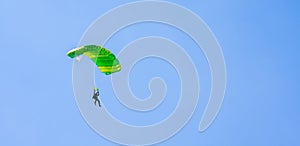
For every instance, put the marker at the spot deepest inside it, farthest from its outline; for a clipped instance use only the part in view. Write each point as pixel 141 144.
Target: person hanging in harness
pixel 95 96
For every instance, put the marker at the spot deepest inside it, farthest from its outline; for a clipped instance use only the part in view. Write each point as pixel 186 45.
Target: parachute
pixel 106 61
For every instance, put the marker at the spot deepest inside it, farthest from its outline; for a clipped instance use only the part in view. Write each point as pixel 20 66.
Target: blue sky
pixel 260 42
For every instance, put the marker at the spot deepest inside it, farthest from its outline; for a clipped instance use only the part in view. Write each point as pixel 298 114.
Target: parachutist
pixel 95 97
pixel 106 62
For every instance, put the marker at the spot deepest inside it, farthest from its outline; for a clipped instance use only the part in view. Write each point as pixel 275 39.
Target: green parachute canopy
pixel 106 61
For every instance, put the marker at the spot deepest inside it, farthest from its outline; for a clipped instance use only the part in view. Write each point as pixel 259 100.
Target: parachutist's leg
pixel 95 102
pixel 99 103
